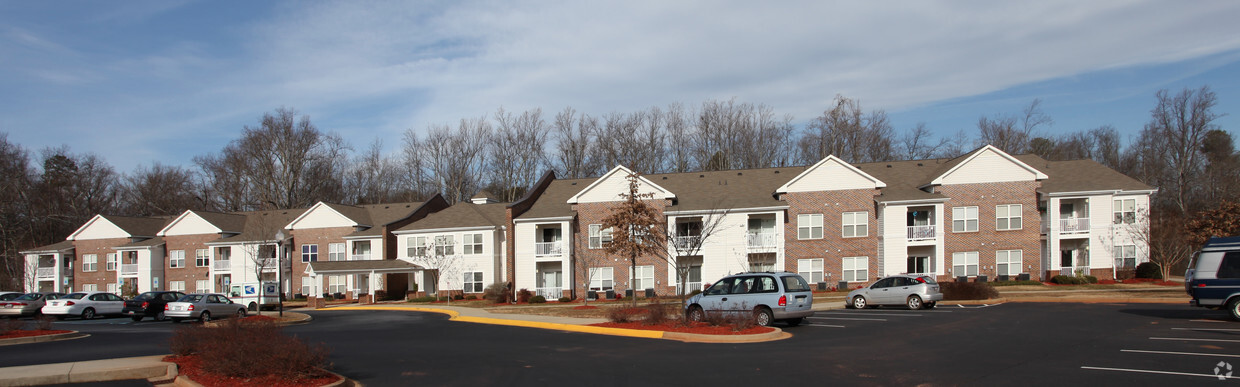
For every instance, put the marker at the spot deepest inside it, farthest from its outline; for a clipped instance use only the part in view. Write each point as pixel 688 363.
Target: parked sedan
pixel 9 296
pixel 150 304
pixel 913 291
pixel 204 307
pixel 84 304
pixel 27 304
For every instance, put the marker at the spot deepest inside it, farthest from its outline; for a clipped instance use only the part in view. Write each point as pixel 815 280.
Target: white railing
pixel 269 264
pixel 129 269
pixel 1071 271
pixel 917 233
pixel 221 265
pixel 46 272
pixel 547 248
pixel 551 293
pixel 688 242
pixel 1073 225
pixel 760 240
pixel 360 257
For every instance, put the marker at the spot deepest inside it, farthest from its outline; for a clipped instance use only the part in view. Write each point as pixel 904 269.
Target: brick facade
pixel 315 236
pixel 593 213
pixel 100 277
pixel 191 272
pixel 988 240
pixel 833 246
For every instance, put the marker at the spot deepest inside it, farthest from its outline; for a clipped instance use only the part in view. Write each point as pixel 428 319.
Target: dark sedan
pixel 149 304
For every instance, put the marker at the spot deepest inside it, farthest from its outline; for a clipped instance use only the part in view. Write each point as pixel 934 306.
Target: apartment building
pixel 461 249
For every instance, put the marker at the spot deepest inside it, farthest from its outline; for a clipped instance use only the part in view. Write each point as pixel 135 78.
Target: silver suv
pixel 770 296
pixel 913 291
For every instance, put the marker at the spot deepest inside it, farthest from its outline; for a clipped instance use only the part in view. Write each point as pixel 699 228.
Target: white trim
pixel 323 204
pixel 553 219
pixel 727 211
pixel 938 180
pixel 164 230
pixel 911 202
pixel 666 194
pixel 784 188
pixel 1115 192
pixel 72 237
pixel 443 230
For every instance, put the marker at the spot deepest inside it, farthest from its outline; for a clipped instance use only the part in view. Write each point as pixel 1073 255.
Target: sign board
pixel 249 290
pixel 269 288
pixel 155 282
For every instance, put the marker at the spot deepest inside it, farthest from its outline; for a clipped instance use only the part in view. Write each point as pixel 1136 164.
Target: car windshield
pixel 29 297
pixel 145 296
pixel 191 298
pixel 794 283
pixel 75 296
pixel 9 296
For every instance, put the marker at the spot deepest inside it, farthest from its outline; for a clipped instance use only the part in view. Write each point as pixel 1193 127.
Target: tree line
pixel 286 161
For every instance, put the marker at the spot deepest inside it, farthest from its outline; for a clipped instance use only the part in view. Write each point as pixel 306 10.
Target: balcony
pixel 45 273
pixel 549 293
pixel 761 242
pixel 687 243
pixel 922 233
pixel 269 265
pixel 360 257
pixel 548 249
pixel 129 269
pixel 221 265
pixel 1074 226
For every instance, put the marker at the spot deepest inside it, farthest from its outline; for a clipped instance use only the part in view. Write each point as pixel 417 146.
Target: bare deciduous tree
pixel 847 132
pixel 516 154
pixel 455 157
pixel 1172 141
pixel 160 190
pixel 1012 134
pixel 575 155
pixel 372 178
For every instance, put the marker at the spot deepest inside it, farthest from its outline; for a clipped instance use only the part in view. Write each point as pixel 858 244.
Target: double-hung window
pixel 856 224
pixel 90 262
pixel 964 219
pixel 445 245
pixel 1007 217
pixel 964 264
pixel 856 269
pixel 602 278
pixel 202 258
pixel 336 284
pixel 176 286
pixel 416 246
pixel 176 258
pixel 473 244
pixel 1125 211
pixel 473 282
pixel 810 269
pixel 644 279
pixel 336 252
pixel 599 236
pixel 1008 262
pixel 309 253
pixel 202 286
pixel 809 226
pixel 111 262
pixel 1126 256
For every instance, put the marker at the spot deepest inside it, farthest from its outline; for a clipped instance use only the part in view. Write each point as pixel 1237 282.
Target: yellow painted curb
pixel 456 316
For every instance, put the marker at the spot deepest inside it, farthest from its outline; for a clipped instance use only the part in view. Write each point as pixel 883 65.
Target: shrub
pixel 44 322
pixel 458 297
pixel 471 297
pixel 524 295
pixel 428 299
pixel 1015 283
pixel 249 348
pixel 1125 273
pixel 1069 280
pixel 656 314
pixel 623 315
pixel 1091 279
pixel 496 292
pixel 565 299
pixel 967 291
pixel 538 300
pixel 11 324
pixel 1149 270
pixel 737 320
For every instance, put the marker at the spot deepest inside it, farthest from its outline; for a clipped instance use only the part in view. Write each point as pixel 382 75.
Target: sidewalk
pixel 145 367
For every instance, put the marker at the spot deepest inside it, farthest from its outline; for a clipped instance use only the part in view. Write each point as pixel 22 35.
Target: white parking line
pixel 1158 372
pixel 867 314
pixel 1179 353
pixel 1206 329
pixel 977 306
pixel 1188 339
pixel 849 318
pixel 824 325
pixel 1201 320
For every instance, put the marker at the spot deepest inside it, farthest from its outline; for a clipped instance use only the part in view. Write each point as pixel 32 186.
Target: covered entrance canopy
pixel 364 271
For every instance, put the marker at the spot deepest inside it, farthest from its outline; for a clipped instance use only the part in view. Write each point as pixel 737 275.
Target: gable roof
pixel 904 179
pixel 722 190
pixel 135 227
pixel 1082 176
pixel 382 214
pixel 554 201
pixel 226 223
pixel 660 192
pixel 156 241
pixel 357 215
pixel 52 248
pixel 821 164
pixel 461 215
pixel 952 165
pixel 261 226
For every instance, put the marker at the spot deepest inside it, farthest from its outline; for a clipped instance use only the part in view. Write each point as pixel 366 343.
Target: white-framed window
pixel 1009 262
pixel 810 269
pixel 90 288
pixel 809 226
pixel 90 262
pixel 1125 211
pixel 336 252
pixel 176 286
pixel 599 236
pixel 856 269
pixel 964 219
pixel 309 253
pixel 113 287
pixel 1007 217
pixel 1125 256
pixel 305 286
pixel 602 279
pixel 336 284
pixel 856 224
pixel 416 246
pixel 473 281
pixel 964 264
pixel 445 245
pixel 176 258
pixel 202 258
pixel 110 262
pixel 473 244
pixel 202 286
pixel 644 279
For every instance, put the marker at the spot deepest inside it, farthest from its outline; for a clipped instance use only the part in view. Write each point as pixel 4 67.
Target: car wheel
pixel 914 302
pixel 253 306
pixel 858 302
pixel 696 314
pixel 60 317
pixel 136 318
pixel 762 316
pixel 792 322
pixel 931 305
pixel 240 312
pixel 205 316
pixel 160 316
pixel 176 320
pixel 1233 307
pixel 88 314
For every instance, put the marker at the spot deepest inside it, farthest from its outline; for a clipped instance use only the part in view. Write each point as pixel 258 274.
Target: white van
pixel 1213 276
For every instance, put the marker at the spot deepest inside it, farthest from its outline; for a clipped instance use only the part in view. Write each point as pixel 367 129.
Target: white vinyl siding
pixel 964 219
pixel 809 226
pixel 856 269
pixel 964 264
pixel 176 258
pixel 1008 217
pixel 810 269
pixel 1009 262
pixel 856 224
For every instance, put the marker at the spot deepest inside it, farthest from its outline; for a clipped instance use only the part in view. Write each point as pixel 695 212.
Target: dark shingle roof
pixel 748 188
pixel 262 225
pixel 382 214
pixel 229 223
pixel 904 177
pixel 1080 175
pixel 139 227
pixel 156 241
pixel 554 201
pixel 356 214
pixel 52 248
pixel 463 214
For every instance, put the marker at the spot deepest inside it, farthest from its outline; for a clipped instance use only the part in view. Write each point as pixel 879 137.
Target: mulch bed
pixel 191 367
pixel 259 318
pixel 696 328
pixel 32 333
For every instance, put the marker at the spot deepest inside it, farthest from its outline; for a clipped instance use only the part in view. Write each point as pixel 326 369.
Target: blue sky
pixel 141 81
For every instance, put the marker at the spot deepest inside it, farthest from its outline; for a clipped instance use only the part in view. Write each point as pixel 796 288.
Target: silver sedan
pixel 204 307
pixel 913 291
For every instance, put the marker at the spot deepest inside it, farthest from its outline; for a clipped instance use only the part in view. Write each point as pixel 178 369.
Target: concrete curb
pixel 1101 300
pixel 146 367
pixel 183 381
pixel 44 338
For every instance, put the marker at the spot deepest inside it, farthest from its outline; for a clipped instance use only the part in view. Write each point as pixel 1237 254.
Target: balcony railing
pixel 921 233
pixel 46 272
pixel 359 257
pixel 269 264
pixel 688 242
pixel 543 249
pixel 550 293
pixel 129 269
pixel 760 241
pixel 221 265
pixel 1073 225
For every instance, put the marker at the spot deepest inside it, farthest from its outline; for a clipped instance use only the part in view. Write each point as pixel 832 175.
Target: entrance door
pixel 363 283
pixel 551 234
pixel 550 284
pixel 1065 261
pixel 918 265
